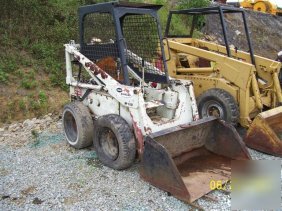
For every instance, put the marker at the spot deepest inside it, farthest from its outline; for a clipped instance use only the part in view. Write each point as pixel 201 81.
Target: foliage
pixel 187 4
pixel 42 97
pixel 28 81
pixel 37 30
pixel 3 76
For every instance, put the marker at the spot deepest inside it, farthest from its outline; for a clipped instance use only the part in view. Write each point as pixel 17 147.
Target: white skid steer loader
pixel 124 103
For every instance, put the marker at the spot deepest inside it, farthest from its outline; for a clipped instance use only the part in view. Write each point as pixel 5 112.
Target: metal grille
pixel 99 43
pixel 143 43
pixel 99 36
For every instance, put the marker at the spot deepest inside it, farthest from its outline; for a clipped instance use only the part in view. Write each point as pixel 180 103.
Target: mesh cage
pixel 143 43
pixel 99 43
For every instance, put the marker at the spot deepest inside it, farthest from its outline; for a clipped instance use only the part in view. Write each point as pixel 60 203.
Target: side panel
pixel 101 104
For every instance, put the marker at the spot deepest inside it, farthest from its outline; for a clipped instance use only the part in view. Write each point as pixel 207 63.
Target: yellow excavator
pixel 267 6
pixel 235 85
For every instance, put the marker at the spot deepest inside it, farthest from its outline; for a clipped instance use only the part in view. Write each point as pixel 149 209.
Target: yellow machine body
pixel 265 6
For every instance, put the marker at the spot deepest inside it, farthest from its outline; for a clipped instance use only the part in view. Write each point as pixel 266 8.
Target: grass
pixel 31 47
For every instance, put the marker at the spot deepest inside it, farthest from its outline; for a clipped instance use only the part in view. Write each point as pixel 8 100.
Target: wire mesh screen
pixel 143 43
pixel 99 43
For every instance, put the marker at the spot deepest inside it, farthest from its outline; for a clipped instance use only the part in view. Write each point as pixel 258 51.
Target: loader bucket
pixel 265 133
pixel 184 159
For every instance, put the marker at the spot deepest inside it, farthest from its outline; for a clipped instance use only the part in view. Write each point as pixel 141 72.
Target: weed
pixel 42 97
pixel 4 77
pixel 28 84
pixel 28 81
pixel 34 104
pixel 20 73
pixel 22 105
pixel 35 136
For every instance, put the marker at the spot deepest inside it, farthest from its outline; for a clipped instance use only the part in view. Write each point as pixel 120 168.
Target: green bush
pixel 42 97
pixel 22 105
pixel 3 76
pixel 28 81
pixel 186 4
pixel 42 50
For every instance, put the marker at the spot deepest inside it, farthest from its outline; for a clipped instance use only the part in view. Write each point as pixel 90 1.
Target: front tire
pixel 78 125
pixel 218 103
pixel 114 142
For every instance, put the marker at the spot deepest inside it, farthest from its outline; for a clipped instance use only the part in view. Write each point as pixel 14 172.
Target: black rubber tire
pixel 78 125
pixel 221 101
pixel 124 155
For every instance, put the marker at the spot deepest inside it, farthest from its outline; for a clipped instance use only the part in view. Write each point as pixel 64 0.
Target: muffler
pixel 183 160
pixel 265 132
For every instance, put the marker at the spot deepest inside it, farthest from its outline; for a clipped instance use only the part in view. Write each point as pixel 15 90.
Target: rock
pixel 26 123
pixel 37 128
pixel 6 135
pixel 14 127
pixel 237 32
pixel 50 114
pixel 2 130
pixel 38 121
pixel 48 119
pixel 59 125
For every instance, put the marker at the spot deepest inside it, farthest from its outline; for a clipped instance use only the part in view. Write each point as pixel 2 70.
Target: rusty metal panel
pixel 265 133
pixel 184 159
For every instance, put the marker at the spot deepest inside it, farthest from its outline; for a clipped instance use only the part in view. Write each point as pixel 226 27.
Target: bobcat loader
pixel 234 85
pixel 125 104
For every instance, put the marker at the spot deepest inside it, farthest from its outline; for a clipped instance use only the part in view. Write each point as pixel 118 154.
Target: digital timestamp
pixel 259 184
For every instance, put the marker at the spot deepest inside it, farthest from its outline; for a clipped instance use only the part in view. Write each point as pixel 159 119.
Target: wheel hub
pixel 213 109
pixel 109 143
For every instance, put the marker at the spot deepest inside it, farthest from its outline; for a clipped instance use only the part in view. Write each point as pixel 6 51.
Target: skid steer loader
pixel 126 105
pixel 231 84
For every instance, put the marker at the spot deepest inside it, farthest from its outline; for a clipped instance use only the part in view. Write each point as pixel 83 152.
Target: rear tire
pixel 78 125
pixel 218 103
pixel 114 142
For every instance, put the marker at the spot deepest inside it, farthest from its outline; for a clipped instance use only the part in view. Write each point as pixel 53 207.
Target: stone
pixel 13 127
pixel 48 119
pixel 59 125
pixel 26 123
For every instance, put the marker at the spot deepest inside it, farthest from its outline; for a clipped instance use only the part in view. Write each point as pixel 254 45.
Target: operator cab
pixel 124 39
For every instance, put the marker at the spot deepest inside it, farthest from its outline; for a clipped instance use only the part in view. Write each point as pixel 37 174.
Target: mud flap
pixel 265 133
pixel 184 159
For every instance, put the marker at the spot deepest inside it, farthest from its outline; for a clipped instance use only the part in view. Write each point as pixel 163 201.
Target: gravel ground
pixel 42 172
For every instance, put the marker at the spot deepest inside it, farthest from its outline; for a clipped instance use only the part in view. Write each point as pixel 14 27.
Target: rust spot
pixel 77 57
pixel 139 137
pixel 96 70
pixel 87 64
pixel 104 75
pixel 148 129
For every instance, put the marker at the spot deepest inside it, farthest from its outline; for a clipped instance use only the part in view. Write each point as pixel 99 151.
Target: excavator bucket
pixel 265 133
pixel 184 159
